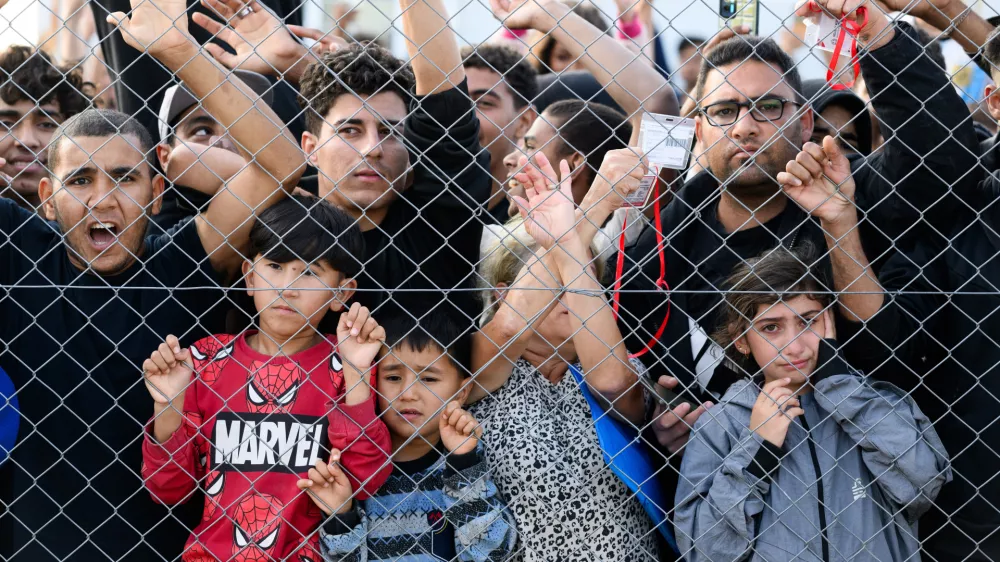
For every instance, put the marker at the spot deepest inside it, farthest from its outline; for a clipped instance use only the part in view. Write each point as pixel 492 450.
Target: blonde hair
pixel 505 257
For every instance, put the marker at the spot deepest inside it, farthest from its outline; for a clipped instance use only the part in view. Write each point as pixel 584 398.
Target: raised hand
pixel 158 27
pixel 620 175
pixel 774 411
pixel 877 30
pixel 168 373
pixel 263 43
pixel 548 209
pixel 460 432
pixel 525 14
pixel 359 337
pixel 820 181
pixel 328 486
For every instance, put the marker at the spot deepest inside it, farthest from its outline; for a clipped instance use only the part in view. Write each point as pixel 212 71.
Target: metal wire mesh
pixel 305 281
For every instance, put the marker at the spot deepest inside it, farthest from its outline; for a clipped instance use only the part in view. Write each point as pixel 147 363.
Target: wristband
pixel 629 29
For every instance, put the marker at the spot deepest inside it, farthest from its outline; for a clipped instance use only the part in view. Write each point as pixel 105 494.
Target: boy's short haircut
pixel 101 123
pixel 513 67
pixel 359 70
pixel 437 331
pixel 306 228
pixel 992 53
pixel 27 74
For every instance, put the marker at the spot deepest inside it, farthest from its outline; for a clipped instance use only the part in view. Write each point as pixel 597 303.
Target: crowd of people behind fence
pixel 274 299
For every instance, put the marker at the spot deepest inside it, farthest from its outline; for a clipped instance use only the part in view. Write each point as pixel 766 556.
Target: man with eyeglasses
pixel 752 122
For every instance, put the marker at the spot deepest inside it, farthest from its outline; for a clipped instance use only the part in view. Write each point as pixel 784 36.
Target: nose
pixel 510 161
pixel 103 196
pixel 793 350
pixel 26 136
pixel 745 126
pixel 373 146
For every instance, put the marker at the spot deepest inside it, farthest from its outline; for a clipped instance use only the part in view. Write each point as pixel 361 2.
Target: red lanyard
pixel 661 282
pixel 846 26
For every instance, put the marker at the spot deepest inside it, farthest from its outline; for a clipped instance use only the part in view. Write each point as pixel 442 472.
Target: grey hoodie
pixel 855 473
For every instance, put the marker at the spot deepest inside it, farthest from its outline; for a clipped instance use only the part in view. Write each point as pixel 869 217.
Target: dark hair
pixel 100 123
pixel 436 331
pixel 589 128
pixel 515 70
pixel 774 276
pixel 743 48
pixel 30 75
pixel 690 42
pixel 306 228
pixel 589 12
pixel 991 52
pixel 358 70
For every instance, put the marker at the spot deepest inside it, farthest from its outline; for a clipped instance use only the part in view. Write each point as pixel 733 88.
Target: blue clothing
pixel 9 416
pixel 437 507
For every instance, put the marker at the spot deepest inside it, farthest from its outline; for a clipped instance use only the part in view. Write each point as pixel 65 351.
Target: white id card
pixel 666 141
pixel 823 34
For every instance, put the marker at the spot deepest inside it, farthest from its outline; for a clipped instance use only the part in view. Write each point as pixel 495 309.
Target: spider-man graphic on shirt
pixel 253 426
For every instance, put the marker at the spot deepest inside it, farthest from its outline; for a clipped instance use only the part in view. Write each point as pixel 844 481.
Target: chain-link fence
pixel 525 280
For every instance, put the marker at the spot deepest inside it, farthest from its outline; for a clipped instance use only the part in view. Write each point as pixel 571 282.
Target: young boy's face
pixel 784 338
pixel 413 388
pixel 289 296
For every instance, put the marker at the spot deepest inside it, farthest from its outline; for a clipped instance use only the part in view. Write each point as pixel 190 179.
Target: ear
pixel 524 121
pixel 45 191
pixel 248 276
pixel 742 346
pixel 806 120
pixel 463 393
pixel 698 124
pixel 309 145
pixel 158 186
pixel 577 163
pixel 163 151
pixel 992 101
pixel 345 291
pixel 499 293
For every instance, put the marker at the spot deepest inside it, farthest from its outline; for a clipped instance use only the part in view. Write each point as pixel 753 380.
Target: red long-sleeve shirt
pixel 254 425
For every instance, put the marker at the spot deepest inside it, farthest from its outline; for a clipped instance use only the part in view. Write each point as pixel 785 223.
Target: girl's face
pixel 784 338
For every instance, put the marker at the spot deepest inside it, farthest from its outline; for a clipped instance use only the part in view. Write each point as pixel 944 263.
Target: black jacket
pixel 903 193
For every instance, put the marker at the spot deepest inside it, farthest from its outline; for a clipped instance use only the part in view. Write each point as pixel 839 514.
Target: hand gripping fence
pixel 375 281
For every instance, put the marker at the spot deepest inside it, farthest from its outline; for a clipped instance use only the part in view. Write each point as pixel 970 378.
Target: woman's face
pixel 784 338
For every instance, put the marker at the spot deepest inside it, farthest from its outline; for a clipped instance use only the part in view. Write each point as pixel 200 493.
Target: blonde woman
pixel 546 311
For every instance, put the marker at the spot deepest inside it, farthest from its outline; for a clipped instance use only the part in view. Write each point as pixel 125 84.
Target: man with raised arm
pixel 87 300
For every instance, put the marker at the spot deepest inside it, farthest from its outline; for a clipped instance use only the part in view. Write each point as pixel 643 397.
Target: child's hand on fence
pixel 359 337
pixel 820 181
pixel 460 432
pixel 168 373
pixel 328 486
pixel 774 411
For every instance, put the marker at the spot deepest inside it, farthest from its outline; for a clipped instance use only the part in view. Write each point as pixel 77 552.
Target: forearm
pixel 860 294
pixel 259 133
pixel 610 62
pixel 205 169
pixel 432 46
pixel 972 32
pixel 167 420
pixel 357 390
pixel 596 337
pixel 502 341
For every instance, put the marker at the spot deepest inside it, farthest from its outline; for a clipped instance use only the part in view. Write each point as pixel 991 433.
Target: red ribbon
pixel 846 26
pixel 660 283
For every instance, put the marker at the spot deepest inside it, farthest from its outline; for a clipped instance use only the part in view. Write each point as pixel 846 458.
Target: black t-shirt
pixel 180 203
pixel 73 344
pixel 421 259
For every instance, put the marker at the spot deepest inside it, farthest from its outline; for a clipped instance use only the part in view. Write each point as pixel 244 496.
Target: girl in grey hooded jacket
pixel 821 464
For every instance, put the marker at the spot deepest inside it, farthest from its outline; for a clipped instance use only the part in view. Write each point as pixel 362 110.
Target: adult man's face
pixel 99 193
pixel 196 126
pixel 836 121
pixel 501 123
pixel 749 151
pixel 27 130
pixel 360 153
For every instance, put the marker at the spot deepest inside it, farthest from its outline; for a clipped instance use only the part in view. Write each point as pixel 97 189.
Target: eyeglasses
pixel 764 110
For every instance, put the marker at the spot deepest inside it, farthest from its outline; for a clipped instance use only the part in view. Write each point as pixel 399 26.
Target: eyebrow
pixel 485 92
pixel 17 115
pixel 85 170
pixel 356 121
pixel 199 120
pixel 807 314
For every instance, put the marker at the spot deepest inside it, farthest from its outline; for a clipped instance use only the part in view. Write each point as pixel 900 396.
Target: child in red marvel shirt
pixel 265 406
